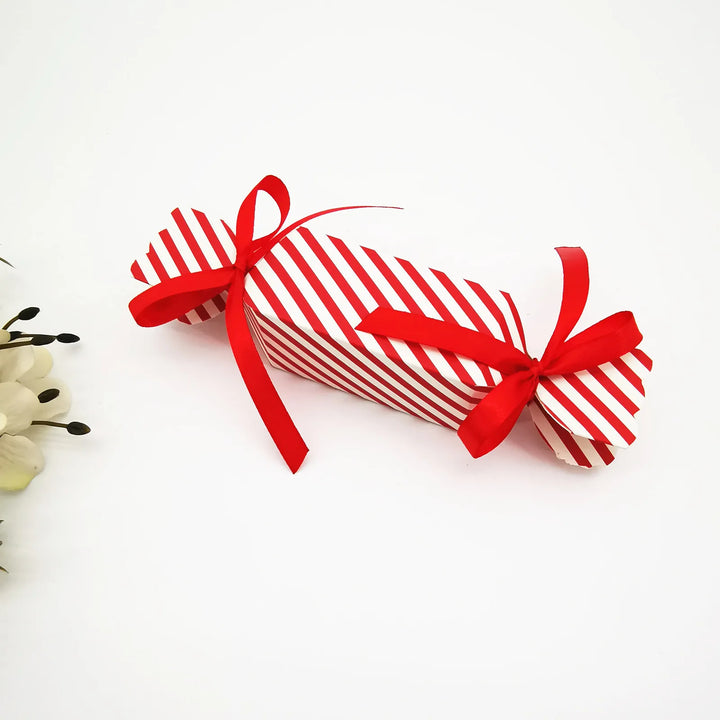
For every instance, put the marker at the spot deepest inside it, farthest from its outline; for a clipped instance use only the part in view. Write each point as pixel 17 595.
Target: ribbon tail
pixel 444 335
pixel 314 215
pixel 492 419
pixel 273 412
pixel 263 245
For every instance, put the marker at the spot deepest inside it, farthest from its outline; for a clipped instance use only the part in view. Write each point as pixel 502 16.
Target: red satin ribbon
pixel 490 421
pixel 173 298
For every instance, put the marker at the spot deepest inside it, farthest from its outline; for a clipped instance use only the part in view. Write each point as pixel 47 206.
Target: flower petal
pixel 3 422
pixel 4 336
pixel 15 362
pixel 42 365
pixel 19 404
pixel 20 461
pixel 53 408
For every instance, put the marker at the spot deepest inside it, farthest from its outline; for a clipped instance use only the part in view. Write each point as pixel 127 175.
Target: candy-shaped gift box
pixel 444 349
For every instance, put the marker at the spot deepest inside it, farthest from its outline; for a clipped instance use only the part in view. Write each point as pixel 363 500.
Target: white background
pixel 168 565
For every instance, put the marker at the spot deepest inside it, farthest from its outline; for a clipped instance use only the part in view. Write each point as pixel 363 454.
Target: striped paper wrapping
pixel 305 297
pixel 585 417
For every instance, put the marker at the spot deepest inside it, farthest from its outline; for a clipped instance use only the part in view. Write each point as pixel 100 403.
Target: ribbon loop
pixel 576 286
pixel 245 224
pixel 174 297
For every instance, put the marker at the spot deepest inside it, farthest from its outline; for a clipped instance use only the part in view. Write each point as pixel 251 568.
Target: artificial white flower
pixel 28 397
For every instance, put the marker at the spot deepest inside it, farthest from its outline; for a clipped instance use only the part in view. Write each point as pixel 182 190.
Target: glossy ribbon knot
pixel 174 297
pixel 490 421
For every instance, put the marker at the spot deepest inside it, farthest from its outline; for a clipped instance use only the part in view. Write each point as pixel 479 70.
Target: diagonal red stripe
pixel 617 424
pixel 566 438
pixel 614 390
pixel 492 306
pixel 350 333
pixel 462 301
pixel 137 273
pixel 574 410
pixel 382 301
pixel 423 286
pixel 327 373
pixel 190 239
pixel 212 237
pixel 630 375
pixel 645 361
pixel 516 318
pixel 339 352
pixel 405 296
pixel 386 346
pixel 603 451
pixel 158 267
pixel 177 258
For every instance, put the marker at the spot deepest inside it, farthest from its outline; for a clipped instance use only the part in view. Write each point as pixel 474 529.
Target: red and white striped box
pixel 305 297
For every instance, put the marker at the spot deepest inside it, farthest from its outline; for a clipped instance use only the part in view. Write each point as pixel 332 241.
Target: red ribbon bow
pixel 489 422
pixel 174 297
